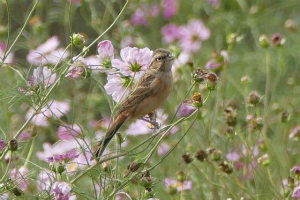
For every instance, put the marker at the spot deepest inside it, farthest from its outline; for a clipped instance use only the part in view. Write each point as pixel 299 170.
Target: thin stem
pixel 20 33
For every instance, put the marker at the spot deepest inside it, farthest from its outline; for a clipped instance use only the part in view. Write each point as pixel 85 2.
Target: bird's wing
pixel 141 91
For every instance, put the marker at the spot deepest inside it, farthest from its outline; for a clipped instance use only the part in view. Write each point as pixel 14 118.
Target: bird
pixel 150 92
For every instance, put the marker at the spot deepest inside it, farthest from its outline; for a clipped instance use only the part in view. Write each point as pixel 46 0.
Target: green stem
pixel 20 33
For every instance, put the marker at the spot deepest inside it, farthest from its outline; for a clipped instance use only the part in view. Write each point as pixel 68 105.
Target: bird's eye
pixel 159 58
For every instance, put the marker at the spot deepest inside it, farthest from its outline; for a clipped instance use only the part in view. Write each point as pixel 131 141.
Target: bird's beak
pixel 170 57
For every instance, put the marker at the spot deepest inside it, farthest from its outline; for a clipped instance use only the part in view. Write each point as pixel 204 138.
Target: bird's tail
pixel 110 134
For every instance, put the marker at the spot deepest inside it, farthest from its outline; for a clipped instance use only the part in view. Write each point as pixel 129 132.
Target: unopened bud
pixel 13 145
pixel 187 158
pixel 291 25
pixel 253 98
pixel 226 167
pixel 17 191
pixel 201 155
pixel 230 116
pixel 180 176
pixel 229 132
pixel 120 138
pixel 277 40
pixel 134 166
pixel 77 39
pixel 61 168
pixel 197 99
pixel 245 79
pixel 284 116
pixel 107 166
pixel 231 38
pixel 211 80
pixel 291 182
pixel 264 160
pixel 264 41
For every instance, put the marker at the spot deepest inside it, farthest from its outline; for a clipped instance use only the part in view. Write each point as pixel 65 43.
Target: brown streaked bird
pixel 149 93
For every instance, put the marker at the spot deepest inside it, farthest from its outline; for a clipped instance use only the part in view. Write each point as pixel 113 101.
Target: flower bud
pixel 226 167
pixel 181 176
pixel 211 80
pixel 291 182
pixel 77 39
pixel 13 145
pixel 277 40
pixel 216 155
pixel 262 145
pixel 264 41
pixel 61 168
pixel 107 166
pixel 284 116
pixel 2 144
pixel 187 158
pixel 264 160
pixel 17 191
pixel 197 99
pixel 259 122
pixel 291 25
pixel 253 98
pixel 134 166
pixel 231 38
pixel 120 138
pixel 245 79
pixel 199 75
pixel 230 116
pixel 229 132
pixel 201 155
pixel 149 193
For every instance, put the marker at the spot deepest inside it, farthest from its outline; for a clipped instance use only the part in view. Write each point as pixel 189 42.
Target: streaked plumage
pixel 149 93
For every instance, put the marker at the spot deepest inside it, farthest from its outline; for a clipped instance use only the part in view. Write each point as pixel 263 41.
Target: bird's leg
pixel 151 120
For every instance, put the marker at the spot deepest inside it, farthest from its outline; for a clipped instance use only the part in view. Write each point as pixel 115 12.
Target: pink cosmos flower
pixel 65 150
pixel 24 135
pixel 116 86
pixel 295 133
pixel 163 148
pixel 185 185
pixel 192 35
pixel 47 53
pixel 20 177
pixel 142 15
pixel 66 157
pixel 170 33
pixel 42 76
pixel 296 192
pixel 68 132
pixel 45 179
pixel 141 127
pixel 171 7
pixel 61 191
pixel 128 41
pixel 106 52
pixel 134 61
pixel 185 110
pixel 233 156
pixel 55 109
pixel 10 56
pixel 2 144
pixel 219 59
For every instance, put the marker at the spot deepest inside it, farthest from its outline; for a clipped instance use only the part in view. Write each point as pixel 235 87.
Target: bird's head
pixel 162 60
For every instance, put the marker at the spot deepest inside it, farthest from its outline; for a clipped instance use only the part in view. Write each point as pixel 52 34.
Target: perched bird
pixel 149 93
